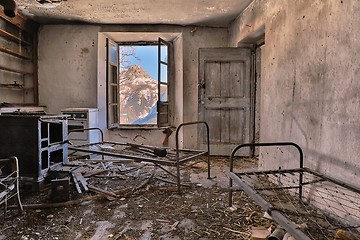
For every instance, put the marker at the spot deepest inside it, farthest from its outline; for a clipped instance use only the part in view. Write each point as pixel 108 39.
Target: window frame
pixel 162 106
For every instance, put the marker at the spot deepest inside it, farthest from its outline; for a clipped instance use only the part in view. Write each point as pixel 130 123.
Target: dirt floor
pixel 145 205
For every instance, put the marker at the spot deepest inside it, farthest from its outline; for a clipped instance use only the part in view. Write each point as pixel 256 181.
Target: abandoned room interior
pixel 235 119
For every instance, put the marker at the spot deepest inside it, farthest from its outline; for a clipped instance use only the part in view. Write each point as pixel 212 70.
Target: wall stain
pixel 84 50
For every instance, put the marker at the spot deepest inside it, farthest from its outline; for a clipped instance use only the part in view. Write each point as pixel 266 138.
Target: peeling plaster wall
pixel 68 75
pixel 310 81
pixel 67 67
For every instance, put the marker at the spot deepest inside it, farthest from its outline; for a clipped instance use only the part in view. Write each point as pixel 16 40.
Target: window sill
pixel 138 127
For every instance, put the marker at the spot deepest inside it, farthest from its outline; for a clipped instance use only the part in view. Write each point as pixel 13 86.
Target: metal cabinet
pixel 82 118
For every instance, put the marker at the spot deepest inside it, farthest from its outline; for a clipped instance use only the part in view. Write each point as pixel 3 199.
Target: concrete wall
pixel 310 80
pixel 68 74
pixel 67 67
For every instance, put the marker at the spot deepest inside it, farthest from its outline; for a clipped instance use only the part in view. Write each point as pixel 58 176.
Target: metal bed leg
pixel 17 183
pixel 177 149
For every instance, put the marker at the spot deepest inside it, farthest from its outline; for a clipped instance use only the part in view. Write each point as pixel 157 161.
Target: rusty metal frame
pixel 9 183
pixel 182 156
pixel 302 178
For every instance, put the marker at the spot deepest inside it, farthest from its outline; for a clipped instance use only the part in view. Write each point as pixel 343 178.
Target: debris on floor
pixel 144 207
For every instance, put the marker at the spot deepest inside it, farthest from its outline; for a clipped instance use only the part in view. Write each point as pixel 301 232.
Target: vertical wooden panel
pixel 212 79
pixel 212 89
pixel 237 126
pixel 225 93
pixel 225 79
pixel 213 117
pixel 237 76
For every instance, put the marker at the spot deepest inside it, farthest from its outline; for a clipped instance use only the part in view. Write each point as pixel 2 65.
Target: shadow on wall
pixel 320 162
pixel 324 159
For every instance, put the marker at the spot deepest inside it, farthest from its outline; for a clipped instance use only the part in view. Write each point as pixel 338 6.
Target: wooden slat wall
pixel 18 59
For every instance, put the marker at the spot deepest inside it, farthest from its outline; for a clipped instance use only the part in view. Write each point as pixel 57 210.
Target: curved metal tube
pixel 177 148
pixel 269 144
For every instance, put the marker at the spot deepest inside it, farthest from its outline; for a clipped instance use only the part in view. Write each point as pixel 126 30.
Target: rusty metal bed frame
pixel 307 204
pixel 9 183
pixel 179 158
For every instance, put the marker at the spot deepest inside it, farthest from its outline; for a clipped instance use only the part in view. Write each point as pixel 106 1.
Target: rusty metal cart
pixel 306 203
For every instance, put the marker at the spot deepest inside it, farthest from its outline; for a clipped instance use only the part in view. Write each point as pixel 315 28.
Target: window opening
pixel 139 83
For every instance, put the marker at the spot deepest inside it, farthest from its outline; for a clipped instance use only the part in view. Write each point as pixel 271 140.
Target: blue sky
pixel 148 59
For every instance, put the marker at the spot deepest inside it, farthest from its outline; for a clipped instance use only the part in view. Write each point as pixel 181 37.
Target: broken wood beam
pixel 79 178
pixel 102 191
pixel 77 186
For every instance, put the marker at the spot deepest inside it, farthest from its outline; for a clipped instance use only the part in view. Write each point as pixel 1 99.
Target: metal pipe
pixel 288 225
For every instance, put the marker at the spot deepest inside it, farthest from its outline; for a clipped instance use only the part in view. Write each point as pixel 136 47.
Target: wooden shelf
pixel 14 38
pixel 8 51
pixel 14 70
pixel 13 86
pixel 18 49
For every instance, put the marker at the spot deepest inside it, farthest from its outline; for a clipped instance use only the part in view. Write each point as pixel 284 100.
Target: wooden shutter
pixel 113 111
pixel 163 78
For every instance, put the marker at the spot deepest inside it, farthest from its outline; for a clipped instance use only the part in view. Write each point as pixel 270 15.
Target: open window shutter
pixel 163 77
pixel 112 85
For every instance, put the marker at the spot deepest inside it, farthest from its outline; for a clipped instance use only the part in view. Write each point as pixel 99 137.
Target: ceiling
pixel 216 13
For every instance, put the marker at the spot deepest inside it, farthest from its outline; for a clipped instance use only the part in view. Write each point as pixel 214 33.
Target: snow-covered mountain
pixel 138 96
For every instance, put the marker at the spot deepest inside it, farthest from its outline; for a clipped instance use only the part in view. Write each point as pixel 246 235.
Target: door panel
pixel 224 81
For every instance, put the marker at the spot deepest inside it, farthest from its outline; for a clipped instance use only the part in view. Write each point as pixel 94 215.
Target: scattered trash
pixel 260 233
pixel 267 216
pixel 233 209
pixel 287 236
pixel 346 235
pixel 173 227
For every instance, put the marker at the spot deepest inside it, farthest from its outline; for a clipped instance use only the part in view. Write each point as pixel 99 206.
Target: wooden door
pixel 225 98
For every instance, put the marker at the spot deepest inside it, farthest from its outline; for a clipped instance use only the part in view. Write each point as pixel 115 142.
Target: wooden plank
pixel 77 186
pixel 226 103
pixel 213 119
pixel 80 178
pixel 13 38
pixel 8 51
pixel 14 70
pixel 212 79
pixel 225 82
pixel 237 126
pixel 225 79
pixel 102 191
pixel 238 79
pixel 225 126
